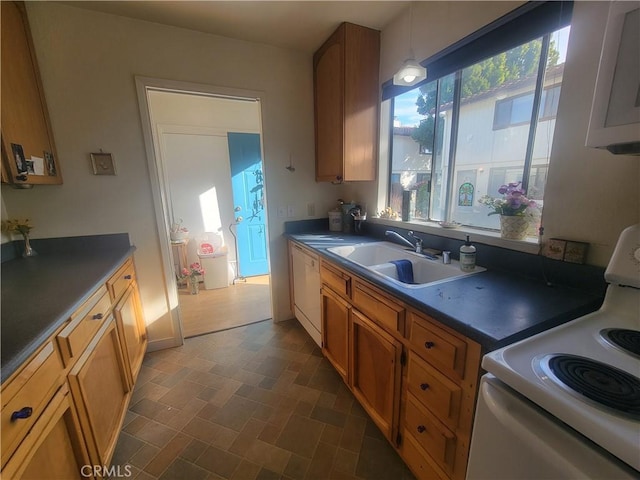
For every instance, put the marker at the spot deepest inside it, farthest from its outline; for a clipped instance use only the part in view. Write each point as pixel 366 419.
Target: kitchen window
pixel 479 123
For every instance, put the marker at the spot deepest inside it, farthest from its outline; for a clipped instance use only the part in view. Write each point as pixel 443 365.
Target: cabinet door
pixel 329 109
pixel 335 331
pixel 25 121
pixel 375 377
pixel 131 329
pixel 101 390
pixel 53 448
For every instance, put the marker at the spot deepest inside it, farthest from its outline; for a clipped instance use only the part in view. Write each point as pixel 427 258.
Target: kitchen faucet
pixel 418 245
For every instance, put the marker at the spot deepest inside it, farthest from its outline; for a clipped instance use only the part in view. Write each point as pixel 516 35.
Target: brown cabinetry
pixel 54 447
pixel 100 387
pixel 439 398
pixel 26 131
pixel 63 409
pixel 375 363
pixel 132 331
pixel 416 378
pixel 346 97
pixel 336 313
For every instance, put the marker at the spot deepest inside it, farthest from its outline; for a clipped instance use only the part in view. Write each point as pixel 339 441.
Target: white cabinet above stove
pixel 615 113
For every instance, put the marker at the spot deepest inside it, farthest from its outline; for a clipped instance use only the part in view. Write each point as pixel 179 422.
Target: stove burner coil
pixel 601 383
pixel 627 340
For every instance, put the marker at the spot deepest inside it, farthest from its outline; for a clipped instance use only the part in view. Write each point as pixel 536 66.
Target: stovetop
pixel 532 366
pixel 521 367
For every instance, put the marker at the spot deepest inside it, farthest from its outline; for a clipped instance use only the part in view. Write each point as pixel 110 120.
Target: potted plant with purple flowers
pixel 515 209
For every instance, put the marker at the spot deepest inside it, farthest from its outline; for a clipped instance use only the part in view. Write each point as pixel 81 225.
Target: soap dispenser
pixel 467 256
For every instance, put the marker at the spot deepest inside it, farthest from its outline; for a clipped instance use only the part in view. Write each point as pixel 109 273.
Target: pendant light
pixel 411 71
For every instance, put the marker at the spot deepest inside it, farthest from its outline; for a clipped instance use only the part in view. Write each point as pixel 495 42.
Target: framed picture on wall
pixel 102 164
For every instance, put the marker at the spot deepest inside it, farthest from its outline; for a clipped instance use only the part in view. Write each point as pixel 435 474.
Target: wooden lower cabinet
pixel 101 390
pixel 53 448
pixel 416 377
pixel 132 331
pixel 376 370
pixel 336 314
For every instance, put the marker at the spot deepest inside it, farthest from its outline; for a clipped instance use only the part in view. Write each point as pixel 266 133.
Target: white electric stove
pixel 579 382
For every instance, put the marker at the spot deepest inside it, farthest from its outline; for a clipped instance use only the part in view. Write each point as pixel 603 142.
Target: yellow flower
pixel 17 225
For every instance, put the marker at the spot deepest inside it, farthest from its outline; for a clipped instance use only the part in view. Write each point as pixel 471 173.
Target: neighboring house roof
pixel 403 131
pixel 553 76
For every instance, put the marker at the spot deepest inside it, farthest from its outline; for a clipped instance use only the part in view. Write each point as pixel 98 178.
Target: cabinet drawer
pixel 437 346
pixel 120 280
pixel 28 393
pixel 84 324
pixel 385 312
pixel 439 394
pixel 416 458
pixel 338 281
pixel 430 434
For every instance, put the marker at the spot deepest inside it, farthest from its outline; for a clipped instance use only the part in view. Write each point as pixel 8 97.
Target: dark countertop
pixel 493 308
pixel 40 293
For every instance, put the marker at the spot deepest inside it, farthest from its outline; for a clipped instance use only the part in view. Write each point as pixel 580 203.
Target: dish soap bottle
pixel 467 256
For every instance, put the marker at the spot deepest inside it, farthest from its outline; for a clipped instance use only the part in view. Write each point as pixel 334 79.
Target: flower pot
pixel 179 236
pixel 513 227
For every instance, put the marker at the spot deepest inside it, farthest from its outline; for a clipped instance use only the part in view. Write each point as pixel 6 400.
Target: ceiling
pixel 298 25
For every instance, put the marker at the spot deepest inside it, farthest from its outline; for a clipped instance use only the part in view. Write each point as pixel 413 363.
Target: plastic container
pixel 467 256
pixel 213 258
pixel 335 221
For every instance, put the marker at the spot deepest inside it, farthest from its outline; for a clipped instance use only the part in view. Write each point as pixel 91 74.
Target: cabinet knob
pixel 421 428
pixel 24 412
pixel 424 386
pixel 97 316
pixel 127 277
pixel 429 345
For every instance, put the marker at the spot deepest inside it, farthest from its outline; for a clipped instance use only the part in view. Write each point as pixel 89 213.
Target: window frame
pixel 549 17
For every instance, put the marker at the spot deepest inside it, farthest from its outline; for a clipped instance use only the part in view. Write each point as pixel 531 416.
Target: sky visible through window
pixel 405 114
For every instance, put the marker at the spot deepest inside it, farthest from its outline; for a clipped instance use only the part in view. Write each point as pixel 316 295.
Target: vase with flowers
pixel 192 273
pixel 515 209
pixel 23 227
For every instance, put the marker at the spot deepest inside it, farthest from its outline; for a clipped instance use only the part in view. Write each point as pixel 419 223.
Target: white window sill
pixel 487 237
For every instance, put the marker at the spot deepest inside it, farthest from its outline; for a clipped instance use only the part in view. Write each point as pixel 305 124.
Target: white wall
pixel 88 61
pixel 590 194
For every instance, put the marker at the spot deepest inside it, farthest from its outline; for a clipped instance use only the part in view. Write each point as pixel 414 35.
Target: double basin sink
pixel 377 257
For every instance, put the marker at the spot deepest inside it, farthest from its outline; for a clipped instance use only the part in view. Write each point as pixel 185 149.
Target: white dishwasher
pixel 306 291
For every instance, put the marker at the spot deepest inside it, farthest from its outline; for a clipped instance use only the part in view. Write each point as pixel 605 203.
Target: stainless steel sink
pixel 376 257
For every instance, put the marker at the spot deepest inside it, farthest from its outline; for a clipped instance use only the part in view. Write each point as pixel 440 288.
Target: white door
pixel 199 183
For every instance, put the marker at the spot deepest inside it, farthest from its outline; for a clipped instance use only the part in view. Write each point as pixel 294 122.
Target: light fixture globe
pixel 410 73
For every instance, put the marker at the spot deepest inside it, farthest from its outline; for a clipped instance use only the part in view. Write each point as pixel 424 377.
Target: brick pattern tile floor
pixel 256 402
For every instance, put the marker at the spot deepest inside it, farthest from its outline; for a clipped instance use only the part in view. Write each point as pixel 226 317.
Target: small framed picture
pixel 18 155
pixel 102 164
pixel 554 248
pixel 50 164
pixel 576 252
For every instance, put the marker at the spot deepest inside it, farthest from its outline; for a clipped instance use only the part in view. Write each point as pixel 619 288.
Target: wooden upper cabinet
pixel 346 95
pixel 26 131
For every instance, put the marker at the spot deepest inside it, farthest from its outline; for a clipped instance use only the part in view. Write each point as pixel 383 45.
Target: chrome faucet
pixel 416 248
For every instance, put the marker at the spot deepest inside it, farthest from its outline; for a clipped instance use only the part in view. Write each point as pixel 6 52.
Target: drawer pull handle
pixel 424 386
pixel 127 277
pixel 421 428
pixel 24 412
pixel 97 316
pixel 429 345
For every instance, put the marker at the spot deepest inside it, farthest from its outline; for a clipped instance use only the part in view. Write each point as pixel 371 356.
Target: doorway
pixel 193 137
